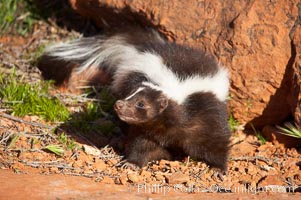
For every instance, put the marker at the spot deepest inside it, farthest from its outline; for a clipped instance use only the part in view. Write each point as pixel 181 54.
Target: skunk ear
pixel 163 103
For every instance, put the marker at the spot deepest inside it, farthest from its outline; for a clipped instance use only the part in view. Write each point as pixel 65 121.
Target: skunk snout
pixel 118 104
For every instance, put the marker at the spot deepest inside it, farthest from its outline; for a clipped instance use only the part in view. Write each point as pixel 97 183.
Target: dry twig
pixel 26 122
pixel 49 164
pixel 252 158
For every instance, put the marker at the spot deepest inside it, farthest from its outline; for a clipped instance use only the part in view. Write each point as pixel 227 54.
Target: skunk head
pixel 144 105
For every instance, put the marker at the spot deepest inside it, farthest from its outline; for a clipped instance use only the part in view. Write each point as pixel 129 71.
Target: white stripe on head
pixel 136 92
pixel 152 86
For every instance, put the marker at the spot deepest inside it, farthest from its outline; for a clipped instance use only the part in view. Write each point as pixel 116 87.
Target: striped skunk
pixel 172 96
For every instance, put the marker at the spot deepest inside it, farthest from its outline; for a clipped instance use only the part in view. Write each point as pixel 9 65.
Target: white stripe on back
pixel 169 83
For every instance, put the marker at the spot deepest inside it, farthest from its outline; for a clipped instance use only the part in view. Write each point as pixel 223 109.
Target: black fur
pixel 128 84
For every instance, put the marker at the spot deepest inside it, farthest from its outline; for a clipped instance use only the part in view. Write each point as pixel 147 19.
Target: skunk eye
pixel 140 105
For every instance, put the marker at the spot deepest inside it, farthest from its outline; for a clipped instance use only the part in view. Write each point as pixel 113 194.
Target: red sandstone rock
pixel 259 41
pixel 272 180
pixel 295 92
pixel 178 178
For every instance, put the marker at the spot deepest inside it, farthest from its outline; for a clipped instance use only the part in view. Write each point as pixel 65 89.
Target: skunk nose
pixel 118 105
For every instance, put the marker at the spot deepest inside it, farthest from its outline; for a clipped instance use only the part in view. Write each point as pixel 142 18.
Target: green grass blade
pixel 290 130
pixel 56 149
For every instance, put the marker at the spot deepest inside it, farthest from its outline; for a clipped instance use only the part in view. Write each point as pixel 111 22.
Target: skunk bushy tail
pixel 96 58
